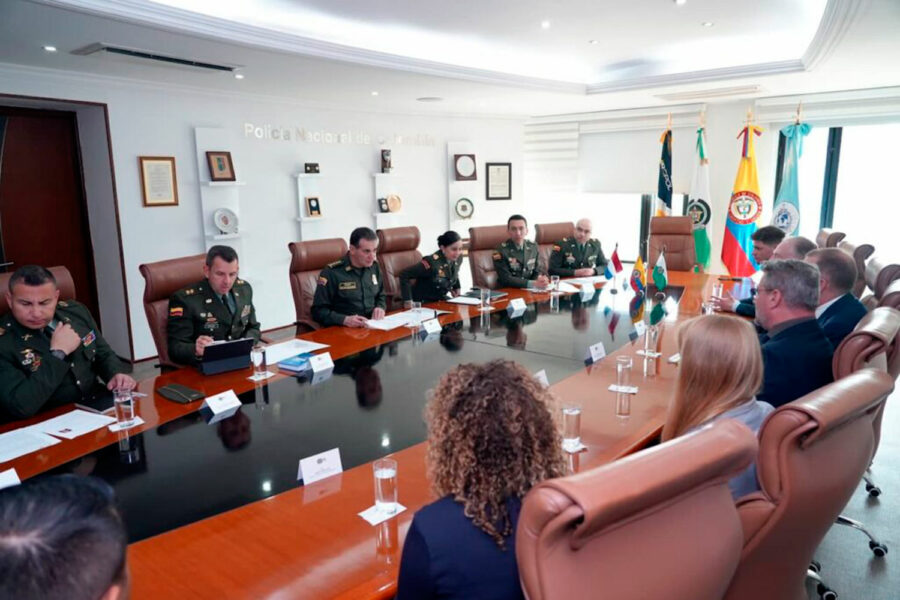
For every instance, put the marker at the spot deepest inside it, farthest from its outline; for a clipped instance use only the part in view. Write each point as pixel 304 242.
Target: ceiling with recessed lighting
pixel 515 58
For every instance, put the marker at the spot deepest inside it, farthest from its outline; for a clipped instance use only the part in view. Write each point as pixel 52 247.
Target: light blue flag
pixel 786 215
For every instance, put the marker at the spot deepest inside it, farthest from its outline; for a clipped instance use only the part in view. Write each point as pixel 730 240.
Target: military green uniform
pixel 568 255
pixel 197 310
pixel 435 276
pixel 345 290
pixel 516 267
pixel 32 379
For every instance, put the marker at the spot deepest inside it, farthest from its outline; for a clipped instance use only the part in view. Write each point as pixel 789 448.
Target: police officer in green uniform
pixel 578 256
pixel 516 259
pixel 51 351
pixel 437 274
pixel 350 291
pixel 218 307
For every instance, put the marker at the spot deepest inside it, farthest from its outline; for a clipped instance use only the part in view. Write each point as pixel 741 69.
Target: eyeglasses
pixel 582 230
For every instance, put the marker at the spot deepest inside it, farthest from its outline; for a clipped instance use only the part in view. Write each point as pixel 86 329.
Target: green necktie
pixel 228 301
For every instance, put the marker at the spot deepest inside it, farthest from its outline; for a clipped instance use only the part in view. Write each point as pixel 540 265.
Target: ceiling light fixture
pixel 680 2
pixel 545 24
pixel 49 48
pixel 374 93
pixel 238 75
pixel 707 23
pixel 430 99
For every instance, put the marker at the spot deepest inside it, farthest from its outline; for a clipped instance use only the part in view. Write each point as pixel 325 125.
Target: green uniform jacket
pixel 32 379
pixel 566 257
pixel 196 310
pixel 435 276
pixel 515 268
pixel 344 290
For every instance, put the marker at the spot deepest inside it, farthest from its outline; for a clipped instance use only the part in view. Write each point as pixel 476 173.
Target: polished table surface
pixel 268 534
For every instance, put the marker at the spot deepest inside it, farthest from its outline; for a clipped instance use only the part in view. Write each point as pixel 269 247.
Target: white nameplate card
pixel 8 478
pixel 319 466
pixel 574 449
pixel 541 376
pixel 640 327
pixel 517 304
pixel 595 353
pixel 623 389
pixel 374 516
pixel 587 292
pixel 222 402
pixel 675 358
pixel 321 362
pixel 648 354
pixel 432 326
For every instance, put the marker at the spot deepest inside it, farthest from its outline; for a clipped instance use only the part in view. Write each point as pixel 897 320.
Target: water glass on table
pixel 554 284
pixel 718 289
pixel 623 371
pixel 124 405
pixel 258 358
pixel 385 471
pixel 571 413
pixel 485 295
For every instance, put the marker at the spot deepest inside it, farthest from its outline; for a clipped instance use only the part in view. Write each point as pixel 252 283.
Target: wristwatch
pixel 58 354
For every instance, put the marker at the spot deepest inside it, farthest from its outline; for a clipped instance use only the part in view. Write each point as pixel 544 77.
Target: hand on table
pixel 542 281
pixel 121 381
pixel 355 321
pixel 378 313
pixel 202 342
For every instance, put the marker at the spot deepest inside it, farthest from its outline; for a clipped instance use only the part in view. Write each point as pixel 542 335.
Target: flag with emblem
pixel 658 312
pixel 612 321
pixel 638 278
pixel 660 274
pixel 786 215
pixel 698 201
pixel 664 184
pixel 636 308
pixel 743 210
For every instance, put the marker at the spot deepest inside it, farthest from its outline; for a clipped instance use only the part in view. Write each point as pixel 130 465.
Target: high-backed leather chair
pixel 676 236
pixel 829 238
pixel 595 534
pixel 891 296
pixel 879 275
pixel 307 260
pixel 859 253
pixel 64 283
pixel 812 454
pixel 548 234
pixel 482 242
pixel 397 249
pixel 161 280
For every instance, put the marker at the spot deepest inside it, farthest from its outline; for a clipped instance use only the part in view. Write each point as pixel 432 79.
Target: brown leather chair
pixel 548 234
pixel 812 455
pixel 482 242
pixel 829 238
pixel 879 275
pixel 397 249
pixel 64 284
pixel 891 296
pixel 859 253
pixel 676 235
pixel 307 260
pixel 161 280
pixel 595 534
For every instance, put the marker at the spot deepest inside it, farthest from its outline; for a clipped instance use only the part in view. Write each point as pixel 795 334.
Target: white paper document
pixel 465 300
pixel 623 389
pixel 8 478
pixel 406 318
pixel 279 352
pixel 567 288
pixel 374 516
pixel 20 442
pixel 590 280
pixel 73 424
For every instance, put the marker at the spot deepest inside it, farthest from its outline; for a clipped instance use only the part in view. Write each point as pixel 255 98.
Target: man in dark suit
pixel 765 240
pixel 796 353
pixel 839 311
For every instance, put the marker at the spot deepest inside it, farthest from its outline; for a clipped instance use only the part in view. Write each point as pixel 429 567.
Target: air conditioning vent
pixel 743 90
pixel 141 55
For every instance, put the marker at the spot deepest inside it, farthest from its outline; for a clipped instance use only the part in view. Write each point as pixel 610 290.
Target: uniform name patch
pixel 347 285
pixel 176 311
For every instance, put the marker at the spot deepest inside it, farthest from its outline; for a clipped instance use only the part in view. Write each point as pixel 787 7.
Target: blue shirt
pixel 446 556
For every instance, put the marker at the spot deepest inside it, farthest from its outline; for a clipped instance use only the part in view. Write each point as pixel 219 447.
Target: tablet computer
pixel 226 355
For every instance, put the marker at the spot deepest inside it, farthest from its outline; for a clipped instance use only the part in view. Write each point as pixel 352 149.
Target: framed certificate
pixel 499 181
pixel 158 184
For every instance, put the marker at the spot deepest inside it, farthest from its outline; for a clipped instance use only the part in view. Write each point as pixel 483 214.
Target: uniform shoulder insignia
pixel 334 264
pixel 240 282
pixel 425 263
pixel 497 256
pixel 565 239
pixel 323 280
pixel 557 247
pixel 62 303
pixel 435 256
pixel 190 292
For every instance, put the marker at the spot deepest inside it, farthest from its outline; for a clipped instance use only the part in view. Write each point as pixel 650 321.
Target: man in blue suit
pixel 839 311
pixel 796 353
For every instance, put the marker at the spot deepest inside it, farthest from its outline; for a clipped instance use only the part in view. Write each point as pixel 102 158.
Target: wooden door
pixel 43 213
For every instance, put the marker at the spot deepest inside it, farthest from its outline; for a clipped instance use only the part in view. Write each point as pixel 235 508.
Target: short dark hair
pixel 768 235
pixel 836 266
pixel 516 218
pixel 362 233
pixel 61 538
pixel 448 238
pixel 31 275
pixel 226 253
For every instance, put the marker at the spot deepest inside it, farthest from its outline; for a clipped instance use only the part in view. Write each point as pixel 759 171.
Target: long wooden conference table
pixel 216 511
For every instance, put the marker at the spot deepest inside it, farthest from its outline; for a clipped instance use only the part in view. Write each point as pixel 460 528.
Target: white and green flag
pixel 698 201
pixel 660 274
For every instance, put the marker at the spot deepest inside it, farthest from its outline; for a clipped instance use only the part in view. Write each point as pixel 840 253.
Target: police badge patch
pixel 698 211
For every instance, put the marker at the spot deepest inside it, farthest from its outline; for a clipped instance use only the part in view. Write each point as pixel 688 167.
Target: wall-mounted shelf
pixel 224 183
pixel 303 175
pixel 224 236
pixel 310 219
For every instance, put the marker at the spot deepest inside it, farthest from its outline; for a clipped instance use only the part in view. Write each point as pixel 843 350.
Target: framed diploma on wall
pixel 499 181
pixel 158 184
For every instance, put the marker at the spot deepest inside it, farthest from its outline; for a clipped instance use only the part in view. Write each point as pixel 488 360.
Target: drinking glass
pixel 258 358
pixel 623 371
pixel 708 308
pixel 385 471
pixel 124 403
pixel 554 284
pixel 571 412
pixel 717 290
pixel 485 299
pixel 623 405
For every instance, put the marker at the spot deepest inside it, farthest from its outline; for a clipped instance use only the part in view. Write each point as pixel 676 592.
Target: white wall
pixel 149 121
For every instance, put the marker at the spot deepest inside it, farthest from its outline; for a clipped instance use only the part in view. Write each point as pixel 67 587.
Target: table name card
pixel 432 326
pixel 321 362
pixel 594 353
pixel 319 466
pixel 541 376
pixel 640 327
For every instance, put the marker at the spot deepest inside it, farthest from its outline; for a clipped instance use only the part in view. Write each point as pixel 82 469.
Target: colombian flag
pixel 743 211
pixel 638 279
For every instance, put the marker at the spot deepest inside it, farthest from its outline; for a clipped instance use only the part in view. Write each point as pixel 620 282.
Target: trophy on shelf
pixel 385 161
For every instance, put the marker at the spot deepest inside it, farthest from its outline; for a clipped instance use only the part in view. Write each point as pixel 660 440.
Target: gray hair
pixel 836 266
pixel 797 281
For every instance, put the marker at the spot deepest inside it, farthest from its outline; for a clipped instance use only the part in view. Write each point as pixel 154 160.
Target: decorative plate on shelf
pixel 394 203
pixel 225 220
pixel 465 208
pixel 464 167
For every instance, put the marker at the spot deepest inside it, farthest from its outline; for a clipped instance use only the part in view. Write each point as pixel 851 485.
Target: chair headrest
pixel 484 238
pixel 397 239
pixel 315 254
pixel 880 274
pixel 860 252
pixel 166 277
pixel 64 283
pixel 550 233
pixel 616 491
pixel 671 226
pixel 829 238
pixel 891 296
